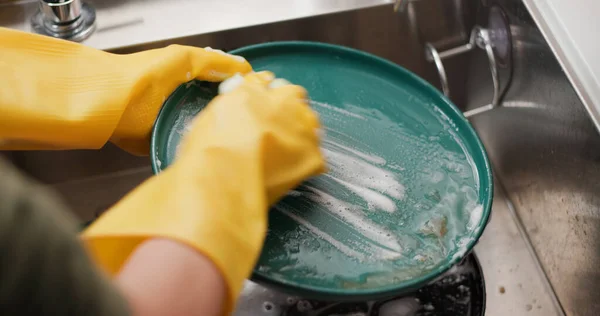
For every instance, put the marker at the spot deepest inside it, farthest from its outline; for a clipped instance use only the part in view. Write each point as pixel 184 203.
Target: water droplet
pixel 268 306
pixel 304 306
pixel 428 307
pixel 292 300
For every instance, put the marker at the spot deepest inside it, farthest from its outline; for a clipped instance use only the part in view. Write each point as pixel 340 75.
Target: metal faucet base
pixel 77 30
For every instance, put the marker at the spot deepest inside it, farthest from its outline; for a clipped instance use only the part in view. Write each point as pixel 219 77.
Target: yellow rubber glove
pixel 245 150
pixel 56 94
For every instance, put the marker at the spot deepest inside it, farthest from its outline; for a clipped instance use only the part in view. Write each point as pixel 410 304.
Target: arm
pixel 45 270
pixel 164 277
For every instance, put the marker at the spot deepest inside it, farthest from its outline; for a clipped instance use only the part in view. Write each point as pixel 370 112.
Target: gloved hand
pixel 245 150
pixel 56 94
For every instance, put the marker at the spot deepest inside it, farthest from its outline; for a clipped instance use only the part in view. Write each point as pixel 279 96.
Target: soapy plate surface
pixel 409 186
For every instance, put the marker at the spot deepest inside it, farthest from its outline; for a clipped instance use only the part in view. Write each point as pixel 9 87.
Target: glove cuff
pixel 229 237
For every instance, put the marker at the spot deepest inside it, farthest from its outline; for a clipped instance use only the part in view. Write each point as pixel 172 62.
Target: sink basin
pixel 541 128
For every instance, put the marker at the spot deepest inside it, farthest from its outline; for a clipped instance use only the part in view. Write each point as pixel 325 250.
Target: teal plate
pixel 409 187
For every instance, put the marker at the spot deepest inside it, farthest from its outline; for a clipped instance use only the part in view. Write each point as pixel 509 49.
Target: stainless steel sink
pixel 540 248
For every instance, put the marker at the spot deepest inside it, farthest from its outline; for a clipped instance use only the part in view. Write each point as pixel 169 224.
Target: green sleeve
pixel 44 269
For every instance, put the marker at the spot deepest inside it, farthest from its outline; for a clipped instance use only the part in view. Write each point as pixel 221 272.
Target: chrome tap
pixel 67 19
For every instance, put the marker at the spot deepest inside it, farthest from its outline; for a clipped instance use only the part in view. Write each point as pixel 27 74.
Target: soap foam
pixel 335 109
pixel 375 200
pixel 323 235
pixel 364 175
pixel 475 218
pixel 350 168
pixel 386 246
pixel 368 157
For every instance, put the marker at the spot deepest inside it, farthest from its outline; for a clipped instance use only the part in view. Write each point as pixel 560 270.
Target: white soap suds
pixel 462 245
pixel 396 167
pixel 428 307
pixel 364 175
pixel 406 306
pixel 279 82
pixel 335 109
pixel 420 258
pixel 375 200
pixel 236 80
pixel 359 172
pixel 294 193
pixel 385 244
pixel 231 83
pixel 187 124
pixel 323 235
pixel 475 218
pixel 461 248
pixel 369 157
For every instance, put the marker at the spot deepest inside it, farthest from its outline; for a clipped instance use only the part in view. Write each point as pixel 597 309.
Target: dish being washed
pixel 408 191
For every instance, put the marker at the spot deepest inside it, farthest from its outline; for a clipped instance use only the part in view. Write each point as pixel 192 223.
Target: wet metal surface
pixel 546 153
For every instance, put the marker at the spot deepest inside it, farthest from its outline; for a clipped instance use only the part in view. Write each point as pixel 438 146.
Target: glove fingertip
pixel 216 65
